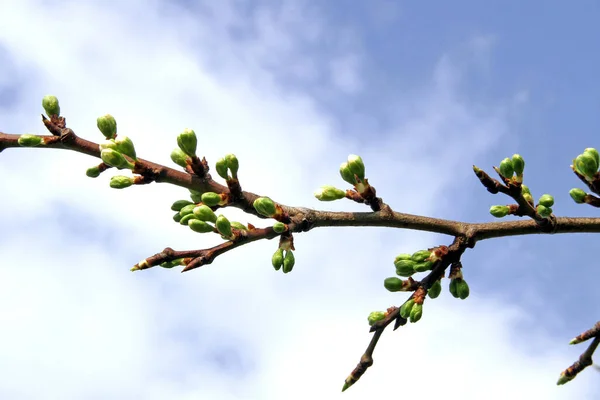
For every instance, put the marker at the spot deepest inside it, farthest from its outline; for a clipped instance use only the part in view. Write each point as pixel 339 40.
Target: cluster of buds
pixel 201 218
pixel 512 168
pixel 587 164
pixel 283 258
pixel 458 286
pixel 543 208
pixel 412 309
pixel 420 261
pixel 187 143
pixel 229 162
pixel 376 316
pixel 114 150
pixel 353 172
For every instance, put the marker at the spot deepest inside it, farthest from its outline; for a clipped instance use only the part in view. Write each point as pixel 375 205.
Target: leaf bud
pixel 125 146
pixel 518 164
pixel 329 193
pixel 204 213
pixel 288 261
pixel 211 199
pixel 375 316
pixel 185 220
pixel 416 312
pixel 187 142
pixel 277 259
pixel 115 159
pixel 423 266
pixel 462 288
pixel 279 227
pixel 51 106
pixel 121 182
pixel 506 168
pixel 233 164
pixel 200 226
pixel 499 211
pixel 179 157
pixel 223 226
pixel 393 284
pixel 356 165
pixel 577 195
pixel 586 165
pixel 107 125
pixel 347 174
pixel 179 204
pixel 406 308
pixel 265 206
pixel 405 267
pixel 185 210
pixel 435 289
pixel 546 200
pixel 221 167
pixel 594 153
pixel 420 256
pixel 28 140
pixel 543 211
pixel 93 172
pixel 239 225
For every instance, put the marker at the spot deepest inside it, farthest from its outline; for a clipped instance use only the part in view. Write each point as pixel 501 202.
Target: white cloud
pixel 80 325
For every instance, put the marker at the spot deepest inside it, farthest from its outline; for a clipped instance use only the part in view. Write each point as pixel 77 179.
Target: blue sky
pixel 420 91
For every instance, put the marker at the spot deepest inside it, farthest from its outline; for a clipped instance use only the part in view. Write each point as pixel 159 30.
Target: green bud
pixel 518 164
pixel 179 204
pixel 277 259
pixel 506 168
pixel 393 284
pixel 185 210
pixel 546 200
pixel 233 164
pixel 423 266
pixel 221 167
pixel 375 316
pixel 329 193
pixel 577 195
pixel 528 198
pixel 462 288
pixel 200 226
pixel 107 125
pixel 406 308
pixel 347 174
pixel 223 226
pixel 239 225
pixel 211 199
pixel 115 159
pixel 525 189
pixel 187 142
pixel 177 217
pixel 288 261
pixel 204 213
pixel 173 263
pixel 185 220
pixel 543 211
pixel 109 144
pixel 594 153
pixel 416 313
pixel 453 288
pixel 499 211
pixel 50 104
pixel 195 196
pixel 356 165
pixel 420 256
pixel 93 172
pixel 125 146
pixel 121 182
pixel 179 157
pixel 403 256
pixel 265 206
pixel 435 289
pixel 28 140
pixel 405 267
pixel 279 227
pixel 586 165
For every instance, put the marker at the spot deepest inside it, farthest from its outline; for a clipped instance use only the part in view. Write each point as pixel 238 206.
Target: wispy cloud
pixel 80 325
